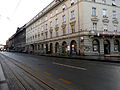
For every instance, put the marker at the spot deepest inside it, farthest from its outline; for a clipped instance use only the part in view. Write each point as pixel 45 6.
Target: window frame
pixel 72 14
pixel 63 18
pixel 93 11
pixel 94 26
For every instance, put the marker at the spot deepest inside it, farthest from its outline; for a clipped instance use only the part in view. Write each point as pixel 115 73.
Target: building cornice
pixel 100 3
pixel 52 5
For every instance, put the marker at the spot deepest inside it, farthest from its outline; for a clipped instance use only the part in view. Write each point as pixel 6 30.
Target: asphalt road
pixel 79 74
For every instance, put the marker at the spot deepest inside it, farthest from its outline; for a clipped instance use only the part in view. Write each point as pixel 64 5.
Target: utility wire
pixel 15 9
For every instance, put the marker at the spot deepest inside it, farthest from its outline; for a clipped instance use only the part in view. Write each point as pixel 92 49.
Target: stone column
pixel 102 46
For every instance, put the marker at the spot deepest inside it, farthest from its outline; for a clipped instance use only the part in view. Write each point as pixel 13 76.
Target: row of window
pixel 45 35
pixel 104 2
pixel 104 13
pixel 63 18
pixel 56 12
pixel 56 20
pixel 105 27
pixel 96 45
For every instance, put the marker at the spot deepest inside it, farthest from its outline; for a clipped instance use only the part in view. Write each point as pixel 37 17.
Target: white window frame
pixel 56 11
pixel 46 18
pixel 50 14
pixel 56 21
pixel 105 27
pixel 114 14
pixel 51 24
pixel 93 11
pixel 94 26
pixel 104 12
pixel 104 1
pixel 57 34
pixel 64 31
pixel 93 0
pixel 115 28
pixel 72 14
pixel 63 18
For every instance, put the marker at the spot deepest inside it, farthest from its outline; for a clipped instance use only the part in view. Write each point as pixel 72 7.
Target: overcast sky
pixel 16 13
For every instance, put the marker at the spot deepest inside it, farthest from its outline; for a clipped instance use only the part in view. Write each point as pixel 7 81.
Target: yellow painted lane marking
pixel 47 73
pixel 92 63
pixel 68 82
pixel 108 65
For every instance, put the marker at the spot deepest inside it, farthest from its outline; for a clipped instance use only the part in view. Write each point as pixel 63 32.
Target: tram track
pixel 28 72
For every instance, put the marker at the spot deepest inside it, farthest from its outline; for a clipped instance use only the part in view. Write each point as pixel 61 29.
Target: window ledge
pixel 72 18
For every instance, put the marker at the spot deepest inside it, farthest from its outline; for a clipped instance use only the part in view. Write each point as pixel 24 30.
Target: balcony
pixel 56 27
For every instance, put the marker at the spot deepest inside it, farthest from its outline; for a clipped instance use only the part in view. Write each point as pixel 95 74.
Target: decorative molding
pixel 56 27
pixel 72 18
pixel 115 21
pixel 63 25
pixel 105 20
pixel 72 23
pixel 95 19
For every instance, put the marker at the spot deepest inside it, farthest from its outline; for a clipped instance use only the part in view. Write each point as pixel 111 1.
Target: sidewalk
pixel 3 83
pixel 107 58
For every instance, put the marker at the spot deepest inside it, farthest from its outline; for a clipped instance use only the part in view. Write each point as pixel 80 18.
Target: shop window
pixel 116 45
pixel 96 46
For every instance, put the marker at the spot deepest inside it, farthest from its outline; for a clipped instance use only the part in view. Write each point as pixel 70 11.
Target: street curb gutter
pixel 3 83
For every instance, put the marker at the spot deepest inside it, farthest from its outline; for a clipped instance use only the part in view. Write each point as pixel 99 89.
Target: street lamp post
pixel 68 35
pixel 78 25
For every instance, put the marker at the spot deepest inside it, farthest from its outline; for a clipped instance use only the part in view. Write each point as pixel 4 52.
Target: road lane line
pixel 70 66
pixel 68 82
pixel 47 73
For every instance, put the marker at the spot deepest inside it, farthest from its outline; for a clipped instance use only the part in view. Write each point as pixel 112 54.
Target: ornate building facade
pixel 75 27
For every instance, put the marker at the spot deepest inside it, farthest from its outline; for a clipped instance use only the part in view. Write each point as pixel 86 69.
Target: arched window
pixel 64 48
pixel 73 47
pixel 95 45
pixel 106 46
pixel 56 47
pixel 116 45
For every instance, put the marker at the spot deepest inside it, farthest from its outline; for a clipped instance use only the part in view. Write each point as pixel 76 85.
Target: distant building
pixel 17 41
pixel 20 39
pixel 10 44
pixel 1 47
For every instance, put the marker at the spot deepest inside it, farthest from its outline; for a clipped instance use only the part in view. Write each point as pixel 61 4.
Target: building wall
pixel 36 32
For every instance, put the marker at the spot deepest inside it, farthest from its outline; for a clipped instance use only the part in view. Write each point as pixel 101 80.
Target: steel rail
pixel 28 72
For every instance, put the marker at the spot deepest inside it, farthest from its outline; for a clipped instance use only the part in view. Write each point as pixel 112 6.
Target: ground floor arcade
pixel 73 46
